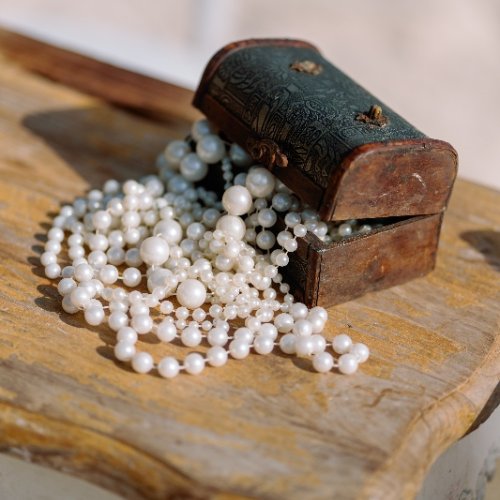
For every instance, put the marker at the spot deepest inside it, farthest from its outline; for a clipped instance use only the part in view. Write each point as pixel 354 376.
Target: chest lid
pixel 334 144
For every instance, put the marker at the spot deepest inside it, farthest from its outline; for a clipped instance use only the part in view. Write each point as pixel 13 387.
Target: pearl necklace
pixel 214 256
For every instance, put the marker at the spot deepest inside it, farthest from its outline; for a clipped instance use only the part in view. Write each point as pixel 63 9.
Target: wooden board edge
pixel 402 475
pixel 138 93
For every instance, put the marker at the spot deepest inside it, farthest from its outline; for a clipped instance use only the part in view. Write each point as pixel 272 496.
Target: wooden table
pixel 265 427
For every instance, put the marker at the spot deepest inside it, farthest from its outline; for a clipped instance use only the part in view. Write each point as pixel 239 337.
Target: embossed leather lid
pixel 334 144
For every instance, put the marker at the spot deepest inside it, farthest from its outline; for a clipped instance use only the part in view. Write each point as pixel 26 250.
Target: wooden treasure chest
pixel 343 153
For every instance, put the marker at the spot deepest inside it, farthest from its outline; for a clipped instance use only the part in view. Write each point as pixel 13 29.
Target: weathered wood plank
pixel 266 426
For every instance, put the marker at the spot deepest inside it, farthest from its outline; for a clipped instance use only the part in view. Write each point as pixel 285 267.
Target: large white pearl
pixel 342 343
pixel 260 182
pixel 237 200
pixel 191 293
pixel 323 362
pixel 154 251
pixel 168 367
pixel 193 168
pixel 210 148
pixel 232 225
pixel 194 363
pixel 170 230
pixel 348 364
pixel 142 362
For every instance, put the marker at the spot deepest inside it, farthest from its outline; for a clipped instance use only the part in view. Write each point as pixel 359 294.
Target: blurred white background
pixel 436 62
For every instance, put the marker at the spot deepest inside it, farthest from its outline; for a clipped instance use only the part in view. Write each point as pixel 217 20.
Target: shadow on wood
pixel 487 242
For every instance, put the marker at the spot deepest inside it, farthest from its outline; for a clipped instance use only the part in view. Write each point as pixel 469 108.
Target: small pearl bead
pixel 193 169
pixel 154 251
pixel 117 320
pixel 66 286
pixel 94 315
pixel 239 349
pixel 263 344
pixel 200 128
pixel 142 323
pixel 170 230
pixel 83 272
pixel 48 258
pixel 80 297
pixel 348 364
pixel 360 351
pixel 126 334
pixel 319 343
pixel 323 362
pixel 217 356
pixel 210 148
pixel 260 182
pixel 108 274
pixel 341 344
pixel 142 362
pixel 131 277
pixel 194 363
pixel 53 271
pixel 302 327
pixel 304 346
pixel 166 331
pixel 168 367
pixel 191 293
pixel 239 156
pixel 299 311
pixel 284 322
pixel 232 225
pixel 237 200
pixel 124 350
pixel 175 151
pixel 217 337
pixel 191 336
pixel 287 343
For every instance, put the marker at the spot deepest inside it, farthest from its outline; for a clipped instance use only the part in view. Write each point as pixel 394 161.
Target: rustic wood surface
pixel 264 427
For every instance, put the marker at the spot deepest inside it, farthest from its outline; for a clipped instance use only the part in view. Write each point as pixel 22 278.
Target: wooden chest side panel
pixel 376 261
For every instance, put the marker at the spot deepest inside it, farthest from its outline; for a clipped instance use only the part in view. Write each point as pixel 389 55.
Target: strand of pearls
pixel 218 259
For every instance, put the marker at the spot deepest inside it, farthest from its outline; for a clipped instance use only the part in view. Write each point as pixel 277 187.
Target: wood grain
pixel 265 427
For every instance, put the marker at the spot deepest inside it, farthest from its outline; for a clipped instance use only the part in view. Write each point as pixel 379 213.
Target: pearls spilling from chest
pixel 170 241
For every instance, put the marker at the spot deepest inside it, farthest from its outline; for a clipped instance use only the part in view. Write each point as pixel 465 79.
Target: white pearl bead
pixel 237 200
pixel 319 343
pixel 193 169
pixel 304 346
pixel 101 220
pixel 347 364
pixel 191 293
pixel 360 351
pixel 166 331
pixel 210 148
pixel 68 306
pixel 263 344
pixel 175 151
pixel 94 315
pixel 142 362
pixel 299 311
pixel 266 240
pixel 284 322
pixel 260 182
pixel 200 128
pixel 126 334
pixel 300 230
pixel 170 230
pixel 282 259
pixel 239 156
pixel 142 323
pixel 341 343
pixel 191 336
pixel 168 367
pixel 302 327
pixel 48 258
pixel 239 349
pixel 323 362
pixel 154 251
pixel 244 334
pixel 108 274
pixel 267 217
pixel 80 297
pixel 232 225
pixel 217 337
pixel 268 330
pixel 117 320
pixel 287 343
pixel 124 350
pixel 56 233
pixel 194 363
pixel 131 277
pixel 66 286
pixel 217 356
pixel 53 271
